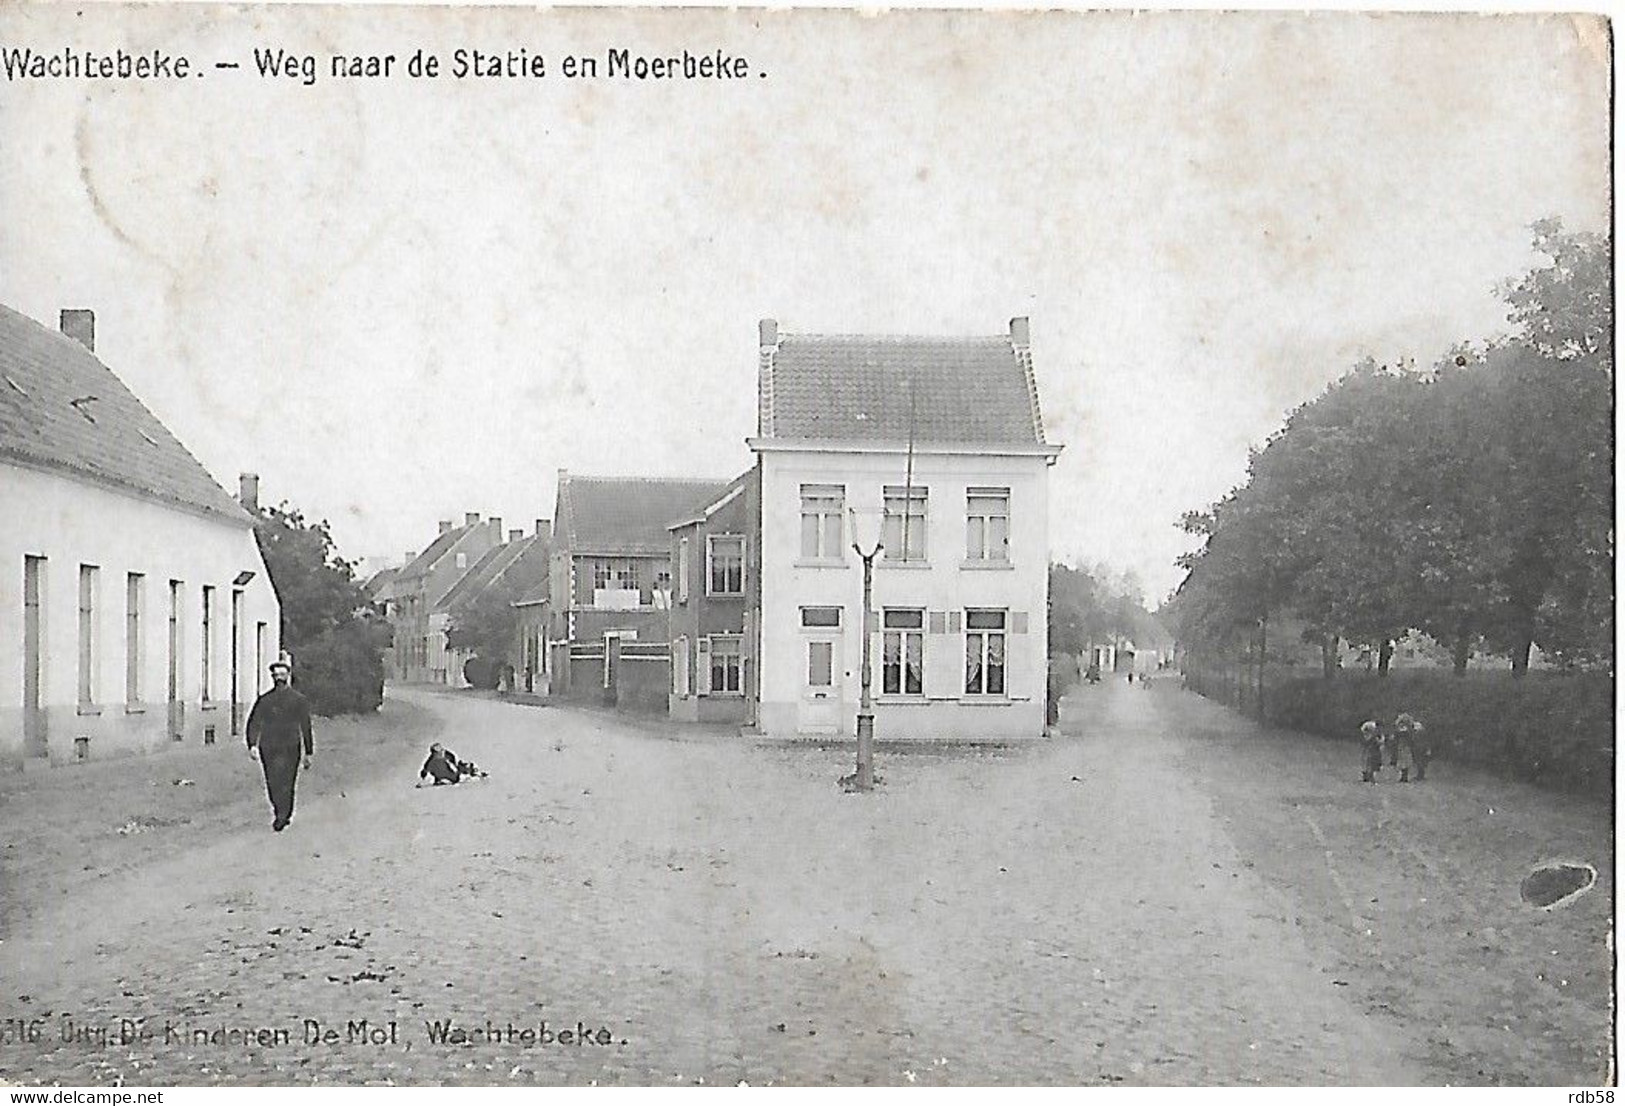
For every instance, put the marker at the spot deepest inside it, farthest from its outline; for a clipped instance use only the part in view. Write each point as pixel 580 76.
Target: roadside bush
pixel 342 670
pixel 481 672
pixel 1553 728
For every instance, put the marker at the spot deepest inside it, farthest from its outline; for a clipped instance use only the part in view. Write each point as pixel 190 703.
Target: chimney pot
pixel 79 323
pixel 1019 334
pixel 445 526
pixel 248 492
pixel 770 333
pixel 471 518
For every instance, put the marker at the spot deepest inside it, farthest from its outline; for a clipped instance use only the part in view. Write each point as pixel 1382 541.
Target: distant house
pixel 136 611
pixel 715 590
pixel 419 651
pixel 532 673
pixel 611 582
pixel 938 444
pixel 511 569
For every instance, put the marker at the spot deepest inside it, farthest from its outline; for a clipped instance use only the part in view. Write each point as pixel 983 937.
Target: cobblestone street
pixel 1166 895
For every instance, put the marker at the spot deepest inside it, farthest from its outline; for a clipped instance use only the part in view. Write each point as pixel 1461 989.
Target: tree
pixel 486 623
pixel 327 627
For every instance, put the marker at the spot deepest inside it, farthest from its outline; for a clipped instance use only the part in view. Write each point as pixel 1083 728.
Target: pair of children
pixel 444 767
pixel 1403 746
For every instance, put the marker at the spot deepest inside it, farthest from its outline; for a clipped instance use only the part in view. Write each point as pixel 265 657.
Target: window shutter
pixel 939 622
pixel 1018 622
pixel 702 667
pixel 953 622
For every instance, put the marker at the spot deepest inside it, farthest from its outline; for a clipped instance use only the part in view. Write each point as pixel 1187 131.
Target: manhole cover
pixel 1555 884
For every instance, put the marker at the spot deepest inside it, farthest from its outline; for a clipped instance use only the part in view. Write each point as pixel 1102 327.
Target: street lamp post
pixel 864 778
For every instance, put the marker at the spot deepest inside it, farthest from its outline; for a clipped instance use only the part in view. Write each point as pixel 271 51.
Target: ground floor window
pixel 727 666
pixel 902 652
pixel 984 652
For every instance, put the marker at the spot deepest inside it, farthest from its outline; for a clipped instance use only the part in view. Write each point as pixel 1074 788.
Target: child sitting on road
pixel 1370 751
pixel 444 766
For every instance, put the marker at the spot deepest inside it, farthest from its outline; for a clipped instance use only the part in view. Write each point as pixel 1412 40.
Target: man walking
pixel 277 726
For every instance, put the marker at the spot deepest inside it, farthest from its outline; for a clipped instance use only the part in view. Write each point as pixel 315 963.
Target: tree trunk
pixel 1521 643
pixel 1263 653
pixel 1384 655
pixel 1462 652
pixel 1328 657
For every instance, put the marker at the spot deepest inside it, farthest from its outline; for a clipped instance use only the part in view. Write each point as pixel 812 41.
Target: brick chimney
pixel 495 523
pixel 248 492
pixel 1019 332
pixel 79 323
pixel 769 329
pixel 516 535
pixel 407 558
pixel 445 526
pixel 544 528
pixel 472 518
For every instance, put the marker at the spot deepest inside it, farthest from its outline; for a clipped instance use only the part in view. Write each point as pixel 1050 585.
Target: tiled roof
pixel 377 588
pixel 423 562
pixel 621 515
pixel 708 507
pixel 61 408
pixel 519 562
pixel 536 593
pixel 850 387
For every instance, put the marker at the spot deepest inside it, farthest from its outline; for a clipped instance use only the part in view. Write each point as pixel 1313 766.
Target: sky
pixel 402 300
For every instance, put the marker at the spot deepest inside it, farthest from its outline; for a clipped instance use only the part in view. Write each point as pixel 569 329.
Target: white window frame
pixel 979 643
pixel 980 547
pixel 902 634
pixel 208 644
pixel 89 586
pixel 816 502
pixel 135 586
pixel 711 541
pixel 912 519
pixel 737 642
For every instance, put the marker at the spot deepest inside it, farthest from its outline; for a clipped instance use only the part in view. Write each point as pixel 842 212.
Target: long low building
pixel 135 609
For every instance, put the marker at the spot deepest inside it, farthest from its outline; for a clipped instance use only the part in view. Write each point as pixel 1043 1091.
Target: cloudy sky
pixel 401 300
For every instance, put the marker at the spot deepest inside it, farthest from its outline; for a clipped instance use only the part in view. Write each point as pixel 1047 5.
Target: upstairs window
pixel 904 533
pixel 726 575
pixel 821 527
pixel 987 524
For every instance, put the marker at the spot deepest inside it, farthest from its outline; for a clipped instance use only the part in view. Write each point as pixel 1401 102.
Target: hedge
pixel 342 671
pixel 1552 728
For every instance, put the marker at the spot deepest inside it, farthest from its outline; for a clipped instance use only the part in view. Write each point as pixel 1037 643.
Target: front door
pixel 34 733
pixel 821 694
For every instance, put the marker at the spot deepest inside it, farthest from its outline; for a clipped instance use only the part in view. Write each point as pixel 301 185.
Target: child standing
pixel 1413 748
pixel 1370 751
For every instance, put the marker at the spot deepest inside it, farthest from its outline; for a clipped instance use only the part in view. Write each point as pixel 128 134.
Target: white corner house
pixel 135 609
pixel 936 444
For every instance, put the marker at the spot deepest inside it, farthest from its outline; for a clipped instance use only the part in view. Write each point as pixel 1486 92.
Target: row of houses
pixel 135 610
pixel 742 600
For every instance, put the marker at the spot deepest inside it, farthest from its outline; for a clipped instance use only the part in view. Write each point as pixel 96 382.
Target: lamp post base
pixel 864 778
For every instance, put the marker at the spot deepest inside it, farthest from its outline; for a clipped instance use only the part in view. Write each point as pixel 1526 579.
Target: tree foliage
pixel 327 626
pixel 1472 501
pixel 1089 606
pixel 486 624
